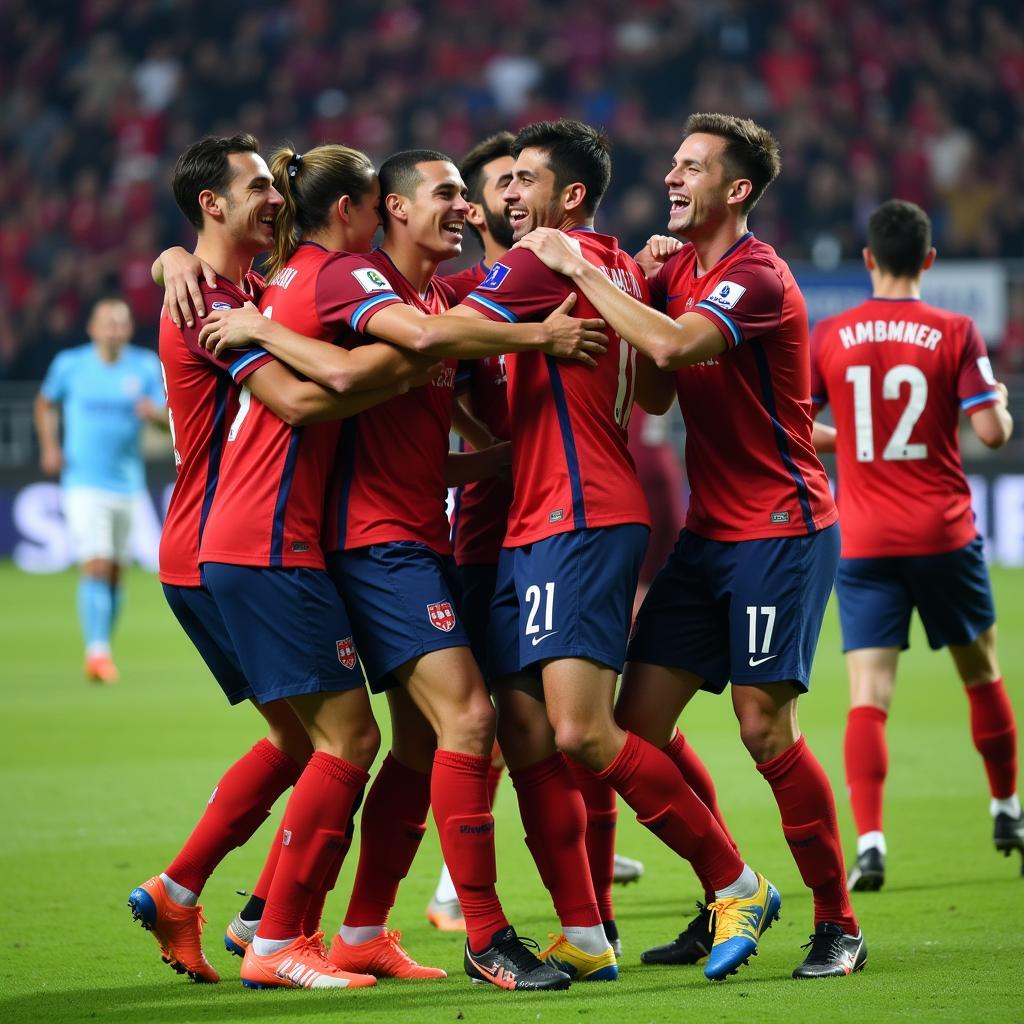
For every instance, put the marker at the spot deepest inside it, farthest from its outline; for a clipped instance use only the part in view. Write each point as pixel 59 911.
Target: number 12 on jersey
pixel 897 449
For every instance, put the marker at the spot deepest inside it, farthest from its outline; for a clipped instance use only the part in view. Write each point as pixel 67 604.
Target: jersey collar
pixel 746 236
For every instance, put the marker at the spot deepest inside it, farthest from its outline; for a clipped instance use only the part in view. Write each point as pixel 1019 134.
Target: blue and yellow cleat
pixel 581 966
pixel 738 924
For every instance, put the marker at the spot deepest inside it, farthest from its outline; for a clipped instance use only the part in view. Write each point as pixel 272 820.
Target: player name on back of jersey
pixel 909 332
pixel 623 279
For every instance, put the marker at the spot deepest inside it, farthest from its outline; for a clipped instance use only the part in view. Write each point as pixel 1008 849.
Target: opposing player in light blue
pixel 104 391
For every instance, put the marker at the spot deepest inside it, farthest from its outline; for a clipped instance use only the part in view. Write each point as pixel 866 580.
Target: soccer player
pixel 744 593
pixel 225 189
pixel 391 561
pixel 897 372
pixel 578 528
pixel 105 391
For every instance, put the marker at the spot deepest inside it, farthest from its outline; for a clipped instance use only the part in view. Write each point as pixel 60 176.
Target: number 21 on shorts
pixel 759 654
pixel 535 598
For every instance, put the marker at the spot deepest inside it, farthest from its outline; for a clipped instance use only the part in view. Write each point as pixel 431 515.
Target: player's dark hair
pixel 471 167
pixel 576 152
pixel 899 237
pixel 751 151
pixel 205 165
pixel 399 174
pixel 311 183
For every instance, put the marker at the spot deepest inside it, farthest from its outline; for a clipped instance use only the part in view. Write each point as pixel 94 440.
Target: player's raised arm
pixel 669 343
pixel 179 272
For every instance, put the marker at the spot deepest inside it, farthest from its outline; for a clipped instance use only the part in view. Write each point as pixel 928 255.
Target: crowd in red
pixel 896 97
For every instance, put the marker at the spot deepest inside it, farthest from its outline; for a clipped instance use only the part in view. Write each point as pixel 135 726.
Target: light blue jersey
pixel 101 426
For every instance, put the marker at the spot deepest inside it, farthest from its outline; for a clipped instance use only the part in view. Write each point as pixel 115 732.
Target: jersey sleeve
pixel 349 290
pixel 976 383
pixel 55 383
pixel 239 362
pixel 746 305
pixel 819 388
pixel 518 288
pixel 658 286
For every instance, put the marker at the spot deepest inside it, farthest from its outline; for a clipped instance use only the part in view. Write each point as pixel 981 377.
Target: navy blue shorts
pixel 288 628
pixel 567 596
pixel 403 599
pixel 196 610
pixel 477 583
pixel 743 611
pixel 951 593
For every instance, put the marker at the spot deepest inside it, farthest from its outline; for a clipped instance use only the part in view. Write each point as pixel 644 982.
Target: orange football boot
pixel 383 957
pixel 301 964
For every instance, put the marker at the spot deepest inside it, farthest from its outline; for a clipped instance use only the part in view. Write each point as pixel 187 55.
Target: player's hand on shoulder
pixel 570 338
pixel 182 272
pixel 656 252
pixel 555 249
pixel 232 328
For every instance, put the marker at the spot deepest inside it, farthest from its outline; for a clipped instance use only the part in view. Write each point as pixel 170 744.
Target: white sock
pixel 445 892
pixel 1010 806
pixel 869 841
pixel 743 888
pixel 591 939
pixel 264 947
pixel 98 648
pixel 178 893
pixel 357 935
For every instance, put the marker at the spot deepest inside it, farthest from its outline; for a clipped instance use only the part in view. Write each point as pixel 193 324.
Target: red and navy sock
pixel 994 732
pixel 804 796
pixel 393 823
pixel 555 821
pixel 650 783
pixel 867 764
pixel 240 803
pixel 458 794
pixel 313 833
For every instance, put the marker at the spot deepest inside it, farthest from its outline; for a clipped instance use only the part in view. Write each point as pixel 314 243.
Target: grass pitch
pixel 100 785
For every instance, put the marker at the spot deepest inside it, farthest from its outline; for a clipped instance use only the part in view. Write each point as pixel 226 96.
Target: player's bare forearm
pixel 655 389
pixel 823 437
pixel 467 467
pixel 467 426
pixel 45 413
pixel 994 425
pixel 321 404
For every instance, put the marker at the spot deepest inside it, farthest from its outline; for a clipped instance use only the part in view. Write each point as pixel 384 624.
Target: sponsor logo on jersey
pixel 372 280
pixel 727 294
pixel 221 305
pixel 497 275
pixel 298 546
pixel 441 615
pixel 779 517
pixel 347 652
pixel 556 516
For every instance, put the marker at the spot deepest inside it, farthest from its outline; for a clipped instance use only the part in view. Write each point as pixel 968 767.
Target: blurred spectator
pixel 869 101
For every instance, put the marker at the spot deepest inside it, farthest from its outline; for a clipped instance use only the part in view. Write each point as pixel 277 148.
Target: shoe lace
pixel 393 937
pixel 314 944
pixel 555 941
pixel 726 916
pixel 824 946
pixel 522 952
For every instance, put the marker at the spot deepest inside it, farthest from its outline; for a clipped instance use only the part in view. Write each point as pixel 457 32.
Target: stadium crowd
pixel 868 102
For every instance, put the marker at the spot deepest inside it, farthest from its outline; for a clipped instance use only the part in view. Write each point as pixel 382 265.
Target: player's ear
pixel 210 204
pixel 475 214
pixel 343 205
pixel 929 260
pixel 394 203
pixel 740 191
pixel 869 259
pixel 574 195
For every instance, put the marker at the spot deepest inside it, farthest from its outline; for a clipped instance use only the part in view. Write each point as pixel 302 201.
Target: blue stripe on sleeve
pixel 240 364
pixel 506 314
pixel 986 396
pixel 737 338
pixel 369 304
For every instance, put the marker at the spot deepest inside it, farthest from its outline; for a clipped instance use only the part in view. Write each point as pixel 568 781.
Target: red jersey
pixel 268 510
pixel 389 480
pixel 750 463
pixel 480 513
pixel 201 402
pixel 570 464
pixel 897 372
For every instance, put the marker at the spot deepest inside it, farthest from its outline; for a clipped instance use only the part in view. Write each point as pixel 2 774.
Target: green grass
pixel 99 786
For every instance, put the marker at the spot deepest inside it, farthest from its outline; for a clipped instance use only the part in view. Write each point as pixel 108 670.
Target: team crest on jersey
pixel 727 294
pixel 442 616
pixel 347 652
pixel 221 305
pixel 494 279
pixel 371 280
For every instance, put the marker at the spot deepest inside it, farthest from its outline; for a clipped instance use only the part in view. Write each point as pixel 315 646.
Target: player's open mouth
pixel 454 227
pixel 517 216
pixel 677 201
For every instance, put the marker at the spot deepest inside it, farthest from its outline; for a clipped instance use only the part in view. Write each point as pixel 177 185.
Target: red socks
pixel 555 821
pixel 651 784
pixel 458 794
pixel 313 834
pixel 393 824
pixel 240 803
pixel 602 817
pixel 994 732
pixel 804 796
pixel 867 763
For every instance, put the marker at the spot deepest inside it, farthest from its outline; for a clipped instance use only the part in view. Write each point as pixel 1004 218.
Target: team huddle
pixel 308 552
